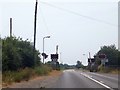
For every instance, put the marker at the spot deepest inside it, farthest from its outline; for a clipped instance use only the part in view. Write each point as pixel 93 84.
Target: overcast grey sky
pixel 77 26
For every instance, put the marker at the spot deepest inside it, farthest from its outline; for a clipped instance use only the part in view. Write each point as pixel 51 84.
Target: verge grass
pixel 111 70
pixel 9 77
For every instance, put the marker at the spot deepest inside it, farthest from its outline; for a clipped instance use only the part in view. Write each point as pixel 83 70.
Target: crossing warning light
pixel 54 56
pixel 44 55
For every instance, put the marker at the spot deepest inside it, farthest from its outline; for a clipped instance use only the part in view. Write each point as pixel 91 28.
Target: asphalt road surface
pixel 74 79
pixel 81 79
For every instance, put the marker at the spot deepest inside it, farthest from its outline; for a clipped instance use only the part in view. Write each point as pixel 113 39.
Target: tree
pixel 10 57
pixel 17 53
pixel 113 55
pixel 79 64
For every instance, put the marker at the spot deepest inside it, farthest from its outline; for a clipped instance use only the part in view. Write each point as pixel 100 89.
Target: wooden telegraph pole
pixel 90 57
pixel 35 19
pixel 10 27
pixel 57 49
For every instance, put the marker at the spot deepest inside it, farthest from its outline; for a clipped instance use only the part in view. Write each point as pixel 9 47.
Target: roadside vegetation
pixel 18 63
pixel 112 70
pixel 113 56
pixel 113 63
pixel 111 66
pixel 26 74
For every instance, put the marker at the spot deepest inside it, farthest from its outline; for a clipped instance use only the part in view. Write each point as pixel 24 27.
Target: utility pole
pixel 89 56
pixel 57 49
pixel 10 27
pixel 35 19
pixel 43 50
pixel 61 58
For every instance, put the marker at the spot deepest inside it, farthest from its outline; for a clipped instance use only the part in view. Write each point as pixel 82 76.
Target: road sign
pixel 54 56
pixel 106 60
pixel 103 61
pixel 102 56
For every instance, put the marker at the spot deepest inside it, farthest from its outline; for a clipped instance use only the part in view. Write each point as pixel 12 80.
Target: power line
pixel 78 14
pixel 44 20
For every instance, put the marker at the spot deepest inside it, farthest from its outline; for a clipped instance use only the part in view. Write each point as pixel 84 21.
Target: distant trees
pixel 54 65
pixel 113 55
pixel 79 64
pixel 17 53
pixel 66 66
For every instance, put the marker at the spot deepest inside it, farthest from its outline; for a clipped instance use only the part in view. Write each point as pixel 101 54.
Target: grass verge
pixel 9 77
pixel 111 70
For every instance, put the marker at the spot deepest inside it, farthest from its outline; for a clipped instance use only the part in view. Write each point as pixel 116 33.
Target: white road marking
pixel 69 70
pixel 105 76
pixel 99 82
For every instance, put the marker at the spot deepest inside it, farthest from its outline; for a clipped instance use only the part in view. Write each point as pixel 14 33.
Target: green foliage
pixel 112 70
pixel 17 76
pixel 7 77
pixel 79 64
pixel 18 62
pixel 43 70
pixel 66 66
pixel 112 54
pixel 25 74
pixel 54 66
pixel 17 53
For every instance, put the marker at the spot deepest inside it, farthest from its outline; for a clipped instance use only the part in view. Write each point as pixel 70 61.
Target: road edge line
pixel 97 81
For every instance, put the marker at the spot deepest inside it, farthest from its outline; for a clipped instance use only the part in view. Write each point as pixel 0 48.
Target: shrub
pixel 43 70
pixel 24 74
pixel 18 53
pixel 108 69
pixel 17 76
pixel 7 77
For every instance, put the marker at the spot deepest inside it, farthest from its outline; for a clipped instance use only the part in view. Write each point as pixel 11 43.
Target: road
pixel 73 79
pixel 80 79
